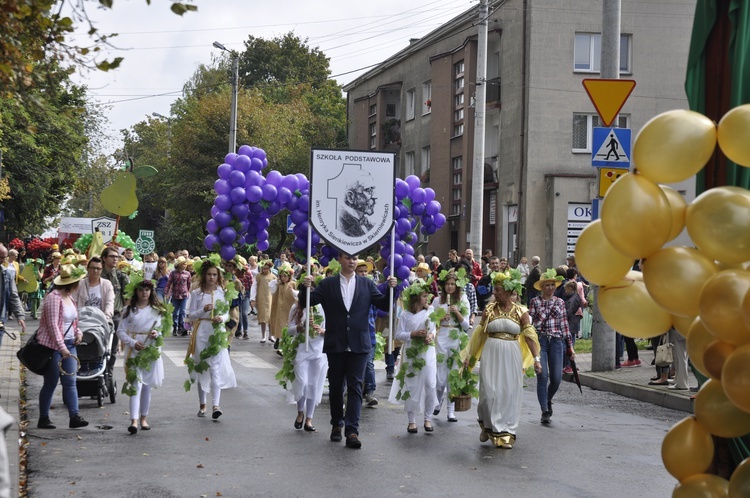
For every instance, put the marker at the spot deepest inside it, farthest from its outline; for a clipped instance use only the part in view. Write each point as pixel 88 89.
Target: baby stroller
pixel 94 378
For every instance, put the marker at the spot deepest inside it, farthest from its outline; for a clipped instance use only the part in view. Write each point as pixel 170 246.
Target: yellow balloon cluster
pixel 702 291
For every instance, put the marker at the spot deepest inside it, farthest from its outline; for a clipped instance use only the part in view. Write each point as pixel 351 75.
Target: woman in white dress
pixel 453 325
pixel 417 331
pixel 140 328
pixel 507 344
pixel 201 312
pixel 310 366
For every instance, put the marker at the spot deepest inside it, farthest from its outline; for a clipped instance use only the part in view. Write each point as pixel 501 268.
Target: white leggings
pixel 306 405
pixel 412 417
pixel 140 403
pixel 215 394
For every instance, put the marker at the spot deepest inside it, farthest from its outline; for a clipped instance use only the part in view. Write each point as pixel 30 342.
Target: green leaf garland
pixel 218 340
pixel 145 357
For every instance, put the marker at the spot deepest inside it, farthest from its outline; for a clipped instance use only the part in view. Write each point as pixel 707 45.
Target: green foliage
pixel 144 359
pixel 409 369
pixel 463 381
pixel 218 340
pixel 288 345
pixel 379 347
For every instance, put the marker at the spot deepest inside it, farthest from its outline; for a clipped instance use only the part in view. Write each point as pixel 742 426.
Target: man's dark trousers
pixel 349 367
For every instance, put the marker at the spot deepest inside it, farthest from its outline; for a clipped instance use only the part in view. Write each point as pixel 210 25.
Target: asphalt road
pixel 599 444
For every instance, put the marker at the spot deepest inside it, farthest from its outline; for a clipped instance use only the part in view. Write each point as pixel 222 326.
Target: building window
pixel 426 97
pixel 390 110
pixel 458 68
pixel 410 97
pixel 409 163
pixel 458 130
pixel 425 162
pixel 583 125
pixel 373 109
pixel 459 83
pixel 458 100
pixel 457 169
pixel 458 115
pixel 373 135
pixel 588 50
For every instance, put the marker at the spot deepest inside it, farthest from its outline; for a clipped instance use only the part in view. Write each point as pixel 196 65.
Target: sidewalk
pixel 633 383
pixel 9 385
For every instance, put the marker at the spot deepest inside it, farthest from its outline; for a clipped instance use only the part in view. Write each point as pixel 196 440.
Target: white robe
pixel 311 366
pixel 140 322
pixel 220 367
pixel 444 344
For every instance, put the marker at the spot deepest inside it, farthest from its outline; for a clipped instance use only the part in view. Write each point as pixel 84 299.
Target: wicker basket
pixel 463 402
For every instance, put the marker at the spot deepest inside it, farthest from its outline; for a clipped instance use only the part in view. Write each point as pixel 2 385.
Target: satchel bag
pixel 35 356
pixel 664 356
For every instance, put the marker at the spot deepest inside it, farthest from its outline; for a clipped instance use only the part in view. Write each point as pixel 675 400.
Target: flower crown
pixel 415 289
pixel 136 279
pixel 200 267
pixel 459 276
pixel 510 280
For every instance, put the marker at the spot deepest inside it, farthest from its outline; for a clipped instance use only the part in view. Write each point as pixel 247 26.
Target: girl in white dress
pixel 417 331
pixel 201 311
pixel 139 330
pixel 310 367
pixel 453 325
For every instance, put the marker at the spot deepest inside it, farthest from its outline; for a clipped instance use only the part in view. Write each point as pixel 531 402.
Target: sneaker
pixel 567 370
pixel 245 337
pixel 370 399
pixel 45 423
pixel 216 413
pixel 638 362
pixel 630 364
pixel 76 422
pixel 238 334
pixel 545 417
pixel 389 375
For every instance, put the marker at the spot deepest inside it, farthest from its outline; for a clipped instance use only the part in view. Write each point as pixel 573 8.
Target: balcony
pixel 392 132
pixel 493 91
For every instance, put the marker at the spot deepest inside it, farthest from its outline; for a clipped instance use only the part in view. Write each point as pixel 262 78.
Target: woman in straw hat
pixel 58 330
pixel 52 269
pixel 548 315
pixel 507 344
pixel 283 296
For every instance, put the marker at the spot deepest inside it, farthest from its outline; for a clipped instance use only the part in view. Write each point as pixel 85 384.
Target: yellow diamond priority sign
pixel 608 96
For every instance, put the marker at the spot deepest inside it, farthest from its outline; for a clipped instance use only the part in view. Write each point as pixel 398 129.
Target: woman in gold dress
pixel 507 344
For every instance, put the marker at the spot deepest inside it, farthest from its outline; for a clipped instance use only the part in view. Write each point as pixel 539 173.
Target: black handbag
pixel 35 356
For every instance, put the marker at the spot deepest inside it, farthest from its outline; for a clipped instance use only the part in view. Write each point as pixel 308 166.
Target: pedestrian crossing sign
pixel 611 147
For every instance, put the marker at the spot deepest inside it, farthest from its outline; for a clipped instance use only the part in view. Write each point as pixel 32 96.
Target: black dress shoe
pixel 428 428
pixel 310 428
pixel 436 412
pixel 336 434
pixel 76 422
pixel 133 429
pixel 276 343
pixel 298 423
pixel 412 430
pixel 45 423
pixel 352 441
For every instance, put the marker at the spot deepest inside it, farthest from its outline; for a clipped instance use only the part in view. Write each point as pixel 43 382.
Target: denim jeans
pixel 370 385
pixel 390 359
pixel 51 378
pixel 552 351
pixel 244 311
pixel 178 315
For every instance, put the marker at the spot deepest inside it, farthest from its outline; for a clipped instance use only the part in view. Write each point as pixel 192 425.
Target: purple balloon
pixel 223 171
pixel 315 239
pixel 384 253
pixel 230 158
pixel 262 235
pixel 412 181
pixel 326 251
pixel 290 182
pixel 222 219
pixel 227 235
pixel 429 194
pixel 211 226
pixel 227 252
pixel 413 222
pixel 428 221
pixel 263 245
pixel 412 237
pixel 409 261
pixel 214 211
pixel 252 229
pixel 244 224
pixel 402 189
pixel 402 226
pixel 303 203
pixel 273 207
pixel 240 211
pixel 298 216
pixel 417 195
pixel 403 272
pixel 237 179
pixel 256 164
pixel 242 163
pixel 398 260
pixel 241 241
pixel 256 208
pixel 222 187
pixel 223 202
pixel 399 247
pixel 269 192
pixel 417 208
pixel 324 260
pixel 259 153
pixel 274 178
pixel 439 220
pixel 293 203
pixel 283 195
pixel 253 178
pixel 433 208
pixel 245 150
pixel 263 223
pixel 409 251
pixel 237 195
pixel 303 182
pixel 430 230
pixel 211 242
pixel 299 244
pixel 254 193
pixel 303 225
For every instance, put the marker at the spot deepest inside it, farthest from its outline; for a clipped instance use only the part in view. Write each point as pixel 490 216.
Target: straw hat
pixel 69 274
pixel 422 266
pixel 56 255
pixel 362 262
pixel 548 276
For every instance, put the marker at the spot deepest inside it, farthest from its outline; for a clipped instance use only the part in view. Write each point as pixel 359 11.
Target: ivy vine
pixel 145 357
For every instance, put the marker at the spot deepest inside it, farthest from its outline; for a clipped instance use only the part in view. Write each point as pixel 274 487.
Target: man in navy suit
pixel 346 300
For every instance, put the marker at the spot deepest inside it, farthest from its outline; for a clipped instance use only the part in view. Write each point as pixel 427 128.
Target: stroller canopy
pixel 95 327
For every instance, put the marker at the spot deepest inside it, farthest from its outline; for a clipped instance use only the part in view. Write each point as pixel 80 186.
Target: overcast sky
pixel 162 50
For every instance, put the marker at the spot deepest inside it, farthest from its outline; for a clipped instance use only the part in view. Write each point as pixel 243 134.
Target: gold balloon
pixel 674 277
pixel 720 306
pixel 733 137
pixel 628 308
pixel 674 146
pixel 714 356
pixel 746 309
pixel 698 340
pixel 678 208
pixel 636 217
pixel 718 221
pixel 739 483
pixel 702 486
pixel 597 260
pixel 735 377
pixel 682 324
pixel 718 414
pixel 687 449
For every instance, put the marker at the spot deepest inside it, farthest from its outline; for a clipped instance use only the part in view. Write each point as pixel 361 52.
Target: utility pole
pixel 603 346
pixel 235 84
pixel 480 104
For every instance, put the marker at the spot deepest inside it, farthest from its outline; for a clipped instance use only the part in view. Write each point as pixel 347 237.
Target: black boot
pixel 76 422
pixel 45 423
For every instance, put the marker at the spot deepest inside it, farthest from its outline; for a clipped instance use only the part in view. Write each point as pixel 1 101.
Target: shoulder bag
pixel 664 356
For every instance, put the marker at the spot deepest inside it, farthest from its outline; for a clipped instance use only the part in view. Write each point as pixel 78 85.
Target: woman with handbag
pixel 58 330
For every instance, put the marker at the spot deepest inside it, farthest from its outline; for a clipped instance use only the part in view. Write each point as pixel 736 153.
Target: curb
pixel 657 397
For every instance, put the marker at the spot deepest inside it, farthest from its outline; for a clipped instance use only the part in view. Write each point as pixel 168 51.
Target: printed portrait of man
pixel 358 205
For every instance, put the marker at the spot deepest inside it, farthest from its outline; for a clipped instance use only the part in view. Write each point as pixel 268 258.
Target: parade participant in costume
pixel 253 269
pixel 260 296
pixel 310 365
pixel 209 310
pixel 283 296
pixel 506 342
pixel 58 330
pixel 453 325
pixel 230 273
pixel 548 315
pixel 415 381
pixel 52 269
pixel 142 327
pixel 178 291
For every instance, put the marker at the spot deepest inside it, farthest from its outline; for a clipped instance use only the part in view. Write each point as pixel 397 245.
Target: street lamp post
pixel 169 145
pixel 235 81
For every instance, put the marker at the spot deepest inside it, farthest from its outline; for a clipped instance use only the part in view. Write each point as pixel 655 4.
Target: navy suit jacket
pixel 346 329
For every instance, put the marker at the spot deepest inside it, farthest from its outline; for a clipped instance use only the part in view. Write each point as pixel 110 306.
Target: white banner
pixel 351 197
pixel 75 225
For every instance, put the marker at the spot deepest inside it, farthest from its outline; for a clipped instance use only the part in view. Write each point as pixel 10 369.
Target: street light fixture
pixel 235 80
